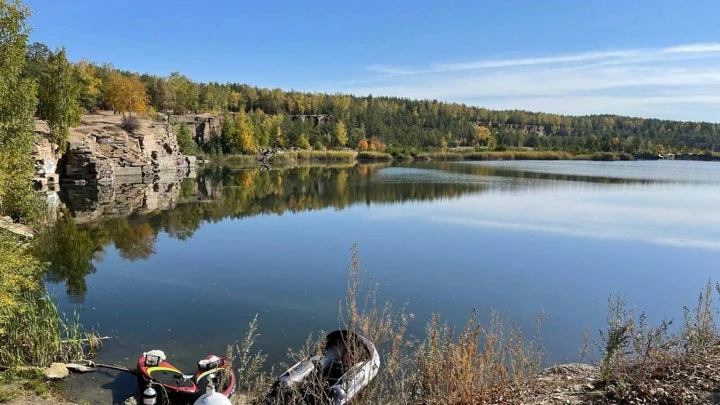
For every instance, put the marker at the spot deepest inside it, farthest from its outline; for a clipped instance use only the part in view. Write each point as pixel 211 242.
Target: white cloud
pixel 678 82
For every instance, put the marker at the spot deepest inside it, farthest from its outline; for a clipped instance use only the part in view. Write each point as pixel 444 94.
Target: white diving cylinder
pixel 210 397
pixel 149 396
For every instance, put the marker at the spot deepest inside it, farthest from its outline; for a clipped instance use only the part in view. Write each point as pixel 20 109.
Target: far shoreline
pixel 294 157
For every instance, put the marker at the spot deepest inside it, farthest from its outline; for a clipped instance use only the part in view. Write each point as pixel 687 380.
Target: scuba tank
pixel 210 397
pixel 149 396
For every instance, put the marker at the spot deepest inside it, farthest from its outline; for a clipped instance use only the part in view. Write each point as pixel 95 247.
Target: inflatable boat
pixel 347 365
pixel 173 386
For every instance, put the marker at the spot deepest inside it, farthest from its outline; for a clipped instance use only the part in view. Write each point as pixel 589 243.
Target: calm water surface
pixel 518 237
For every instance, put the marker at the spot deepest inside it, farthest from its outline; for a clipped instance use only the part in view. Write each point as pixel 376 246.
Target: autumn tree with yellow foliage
pixel 126 93
pixel 244 140
pixel 341 135
pixel 482 135
pixel 89 83
pixel 277 138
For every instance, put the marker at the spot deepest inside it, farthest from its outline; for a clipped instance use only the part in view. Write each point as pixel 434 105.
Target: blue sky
pixel 646 58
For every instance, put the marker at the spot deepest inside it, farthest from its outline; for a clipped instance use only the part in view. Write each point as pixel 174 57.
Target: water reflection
pixel 443 236
pixel 130 216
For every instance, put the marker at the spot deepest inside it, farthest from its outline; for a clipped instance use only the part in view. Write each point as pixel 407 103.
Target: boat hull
pixel 177 387
pixel 349 363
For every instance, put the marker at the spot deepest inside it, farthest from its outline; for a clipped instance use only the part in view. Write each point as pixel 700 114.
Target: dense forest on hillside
pixel 262 117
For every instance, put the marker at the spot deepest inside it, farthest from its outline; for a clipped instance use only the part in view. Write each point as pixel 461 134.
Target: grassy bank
pixel 32 329
pixel 288 158
pixel 527 155
pixel 293 158
pixel 605 156
pixel 325 156
pixel 33 332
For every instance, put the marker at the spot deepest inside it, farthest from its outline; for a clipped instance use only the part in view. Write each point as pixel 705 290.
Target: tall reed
pixel 40 335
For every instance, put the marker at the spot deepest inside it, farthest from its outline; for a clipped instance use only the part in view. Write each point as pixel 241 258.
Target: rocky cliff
pixel 45 158
pixel 204 126
pixel 100 150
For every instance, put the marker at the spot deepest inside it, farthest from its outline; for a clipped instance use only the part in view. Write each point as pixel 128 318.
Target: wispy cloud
pixel 497 63
pixel 678 82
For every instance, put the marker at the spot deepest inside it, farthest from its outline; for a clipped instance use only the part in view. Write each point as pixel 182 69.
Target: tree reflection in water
pixel 80 236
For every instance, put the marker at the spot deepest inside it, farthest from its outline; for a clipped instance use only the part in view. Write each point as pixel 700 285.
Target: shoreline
pixel 566 383
pixel 351 157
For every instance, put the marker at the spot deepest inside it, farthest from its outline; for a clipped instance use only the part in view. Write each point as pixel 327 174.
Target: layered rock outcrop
pixel 45 158
pixel 205 126
pixel 100 150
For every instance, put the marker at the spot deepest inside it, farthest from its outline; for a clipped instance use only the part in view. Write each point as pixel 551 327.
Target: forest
pixel 254 118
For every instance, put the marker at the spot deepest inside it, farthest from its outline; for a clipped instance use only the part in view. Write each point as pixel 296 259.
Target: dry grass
pixel 130 123
pixel 649 364
pixel 252 381
pixel 478 365
pixel 497 364
pixel 446 156
pixel 283 159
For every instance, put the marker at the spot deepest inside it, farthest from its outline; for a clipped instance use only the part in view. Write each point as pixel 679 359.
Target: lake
pixel 184 266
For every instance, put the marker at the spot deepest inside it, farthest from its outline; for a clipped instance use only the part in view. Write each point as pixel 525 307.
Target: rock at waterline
pixel 56 371
pixel 131 401
pixel 18 229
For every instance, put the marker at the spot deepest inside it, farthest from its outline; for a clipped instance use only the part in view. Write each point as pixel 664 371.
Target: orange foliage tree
pixel 362 145
pixel 376 145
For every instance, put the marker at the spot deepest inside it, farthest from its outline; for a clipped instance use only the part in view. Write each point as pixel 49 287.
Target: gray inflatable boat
pixel 349 363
